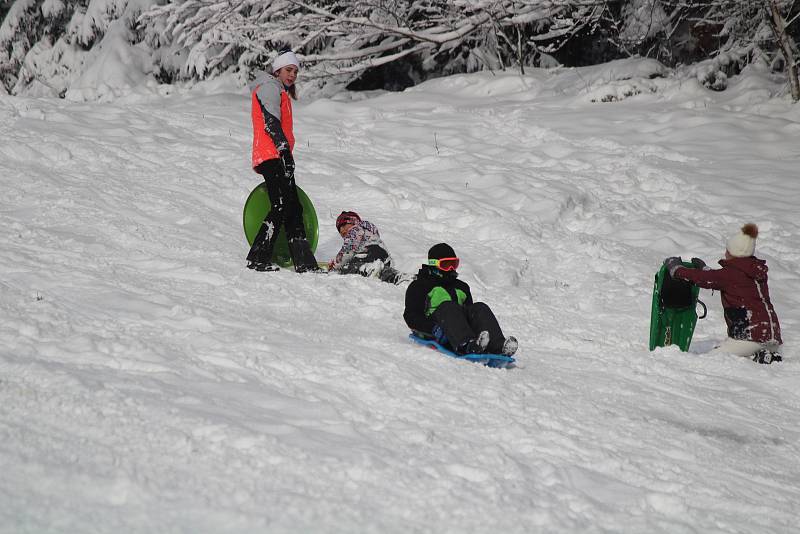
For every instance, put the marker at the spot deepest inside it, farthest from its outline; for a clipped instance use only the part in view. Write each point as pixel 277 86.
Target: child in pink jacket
pixel 363 251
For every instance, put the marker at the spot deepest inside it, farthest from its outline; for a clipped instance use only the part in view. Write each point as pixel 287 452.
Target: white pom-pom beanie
pixel 743 243
pixel 285 57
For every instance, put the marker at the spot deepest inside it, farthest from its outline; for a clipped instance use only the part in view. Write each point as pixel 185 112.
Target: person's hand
pixel 673 264
pixel 697 263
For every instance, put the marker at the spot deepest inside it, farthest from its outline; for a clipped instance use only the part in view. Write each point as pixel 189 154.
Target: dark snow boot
pixel 510 346
pixel 262 267
pixel 259 257
pixel 393 276
pixel 475 346
pixel 302 257
pixel 767 357
pixel 481 318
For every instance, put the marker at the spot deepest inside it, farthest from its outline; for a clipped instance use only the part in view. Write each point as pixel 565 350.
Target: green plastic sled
pixel 673 315
pixel 256 208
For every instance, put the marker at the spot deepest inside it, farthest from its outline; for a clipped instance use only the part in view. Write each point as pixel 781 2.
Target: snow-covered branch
pixel 342 39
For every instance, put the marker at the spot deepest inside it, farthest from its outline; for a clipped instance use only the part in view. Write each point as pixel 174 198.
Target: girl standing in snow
pixel 753 329
pixel 363 251
pixel 273 141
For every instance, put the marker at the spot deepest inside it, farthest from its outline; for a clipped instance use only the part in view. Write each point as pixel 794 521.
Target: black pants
pixel 460 324
pixel 285 211
pixel 365 264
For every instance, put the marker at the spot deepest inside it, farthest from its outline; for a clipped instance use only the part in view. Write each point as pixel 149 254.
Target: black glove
pixel 697 263
pixel 673 264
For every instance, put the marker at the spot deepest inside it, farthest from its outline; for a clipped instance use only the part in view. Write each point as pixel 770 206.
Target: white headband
pixel 287 58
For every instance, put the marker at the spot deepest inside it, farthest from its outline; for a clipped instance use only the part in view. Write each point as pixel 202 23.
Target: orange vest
pixel 263 147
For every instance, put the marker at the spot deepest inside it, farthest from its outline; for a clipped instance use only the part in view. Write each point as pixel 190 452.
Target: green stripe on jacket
pixel 438 294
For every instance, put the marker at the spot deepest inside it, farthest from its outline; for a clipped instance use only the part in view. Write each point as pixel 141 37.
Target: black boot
pixel 302 257
pixel 475 346
pixel 767 356
pixel 260 256
pixel 262 267
pixel 481 318
pixel 393 276
pixel 510 346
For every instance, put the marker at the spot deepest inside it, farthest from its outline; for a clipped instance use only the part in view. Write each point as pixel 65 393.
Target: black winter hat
pixel 441 250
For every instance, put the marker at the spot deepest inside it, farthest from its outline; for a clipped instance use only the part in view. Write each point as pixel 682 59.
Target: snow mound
pixel 149 382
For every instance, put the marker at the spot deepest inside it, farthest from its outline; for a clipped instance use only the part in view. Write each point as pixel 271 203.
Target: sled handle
pixel 705 310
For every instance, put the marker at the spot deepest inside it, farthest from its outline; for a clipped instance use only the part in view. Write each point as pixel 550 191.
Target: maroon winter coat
pixel 742 283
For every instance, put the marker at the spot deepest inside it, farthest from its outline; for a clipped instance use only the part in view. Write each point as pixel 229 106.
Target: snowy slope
pixel 150 383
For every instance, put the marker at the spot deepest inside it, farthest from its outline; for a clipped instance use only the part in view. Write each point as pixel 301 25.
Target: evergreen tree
pixel 36 34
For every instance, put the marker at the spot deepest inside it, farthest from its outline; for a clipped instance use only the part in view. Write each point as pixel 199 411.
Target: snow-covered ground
pixel 150 383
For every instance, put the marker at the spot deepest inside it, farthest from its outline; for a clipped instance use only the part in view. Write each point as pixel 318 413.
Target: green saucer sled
pixel 256 208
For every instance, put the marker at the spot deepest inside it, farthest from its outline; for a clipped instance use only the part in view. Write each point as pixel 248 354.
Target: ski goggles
pixel 444 264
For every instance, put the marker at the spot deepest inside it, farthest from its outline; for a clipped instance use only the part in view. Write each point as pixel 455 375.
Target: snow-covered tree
pixel 46 42
pixel 338 38
pixel 201 38
pixel 26 23
pixel 754 30
pixel 644 27
pixel 46 45
pixel 732 33
pixel 777 13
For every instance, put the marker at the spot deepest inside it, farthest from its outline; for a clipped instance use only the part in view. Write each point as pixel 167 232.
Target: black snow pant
pixel 460 324
pixel 374 259
pixel 285 211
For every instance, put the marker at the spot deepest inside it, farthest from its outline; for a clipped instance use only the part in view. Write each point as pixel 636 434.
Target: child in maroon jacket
pixel 753 328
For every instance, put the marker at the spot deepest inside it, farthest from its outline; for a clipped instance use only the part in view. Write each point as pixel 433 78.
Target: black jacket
pixel 418 300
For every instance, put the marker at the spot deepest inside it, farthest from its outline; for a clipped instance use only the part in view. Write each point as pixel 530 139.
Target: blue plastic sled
pixel 499 361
